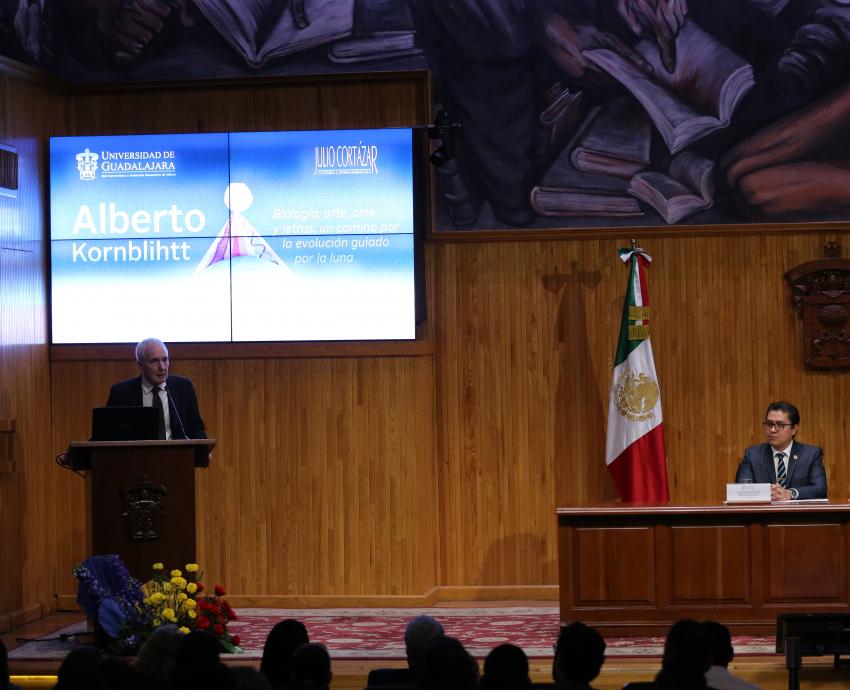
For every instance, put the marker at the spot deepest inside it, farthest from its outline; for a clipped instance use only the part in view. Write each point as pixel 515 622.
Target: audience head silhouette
pixel 81 669
pixel 505 668
pixel 197 648
pixel 203 676
pixel 418 635
pixel 579 655
pixel 719 643
pixel 446 665
pixel 285 637
pixel 159 652
pixel 4 665
pixel 686 657
pixel 311 666
pixel 249 678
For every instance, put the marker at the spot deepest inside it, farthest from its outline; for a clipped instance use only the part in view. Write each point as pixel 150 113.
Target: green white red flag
pixel 634 448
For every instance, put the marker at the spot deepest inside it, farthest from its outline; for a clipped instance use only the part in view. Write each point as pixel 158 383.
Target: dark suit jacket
pixel 183 409
pixel 804 467
pixel 393 677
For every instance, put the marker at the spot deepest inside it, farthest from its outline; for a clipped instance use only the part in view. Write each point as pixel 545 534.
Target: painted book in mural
pixel 556 123
pixel 264 29
pixel 687 188
pixel 383 30
pixel 698 98
pixel 617 142
pixel 566 192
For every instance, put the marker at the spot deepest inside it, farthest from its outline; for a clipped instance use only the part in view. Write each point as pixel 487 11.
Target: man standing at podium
pixel 174 396
pixel 794 470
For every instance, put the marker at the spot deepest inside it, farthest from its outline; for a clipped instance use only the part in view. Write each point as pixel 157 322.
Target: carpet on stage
pixel 379 633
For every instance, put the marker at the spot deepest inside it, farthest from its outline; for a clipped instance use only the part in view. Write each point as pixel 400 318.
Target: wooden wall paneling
pixel 11 547
pixel 254 105
pixel 28 113
pixel 322 481
pixel 726 342
pixel 76 389
pixel 524 338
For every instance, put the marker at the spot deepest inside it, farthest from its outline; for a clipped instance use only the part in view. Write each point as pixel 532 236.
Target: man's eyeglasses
pixel 778 426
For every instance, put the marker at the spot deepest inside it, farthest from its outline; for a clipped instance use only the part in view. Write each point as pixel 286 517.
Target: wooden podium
pixel 140 499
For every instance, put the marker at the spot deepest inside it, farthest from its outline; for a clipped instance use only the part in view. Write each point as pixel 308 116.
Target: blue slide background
pixel 339 266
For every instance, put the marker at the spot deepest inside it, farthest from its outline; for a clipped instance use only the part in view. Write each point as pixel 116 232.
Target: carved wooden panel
pixel 806 563
pixel 615 567
pixel 821 293
pixel 710 564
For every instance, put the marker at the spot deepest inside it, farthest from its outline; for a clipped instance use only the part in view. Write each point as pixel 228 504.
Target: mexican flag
pixel 634 446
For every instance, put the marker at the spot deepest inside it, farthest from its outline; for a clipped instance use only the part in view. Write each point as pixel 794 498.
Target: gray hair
pixel 419 633
pixel 142 346
pixel 159 652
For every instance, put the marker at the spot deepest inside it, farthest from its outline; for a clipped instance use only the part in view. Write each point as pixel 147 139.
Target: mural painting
pixel 572 113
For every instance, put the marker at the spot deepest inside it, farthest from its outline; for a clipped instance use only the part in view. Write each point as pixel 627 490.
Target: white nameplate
pixel 748 493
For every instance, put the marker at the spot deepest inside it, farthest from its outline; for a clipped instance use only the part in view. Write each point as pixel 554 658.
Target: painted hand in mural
pixel 797 189
pixel 657 19
pixel 785 169
pixel 136 24
pixel 565 43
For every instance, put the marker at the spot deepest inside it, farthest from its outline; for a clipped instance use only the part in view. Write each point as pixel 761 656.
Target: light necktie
pixel 781 474
pixel 157 404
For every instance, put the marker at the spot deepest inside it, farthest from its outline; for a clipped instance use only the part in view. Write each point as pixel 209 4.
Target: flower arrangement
pixel 128 612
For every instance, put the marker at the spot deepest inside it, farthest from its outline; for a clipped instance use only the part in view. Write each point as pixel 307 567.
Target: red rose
pixel 220 591
pixel 218 629
pixel 231 614
pixel 203 622
pixel 236 640
pixel 200 587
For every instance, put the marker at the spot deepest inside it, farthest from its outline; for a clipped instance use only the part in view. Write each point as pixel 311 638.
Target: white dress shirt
pixel 147 401
pixel 719 678
pixel 787 460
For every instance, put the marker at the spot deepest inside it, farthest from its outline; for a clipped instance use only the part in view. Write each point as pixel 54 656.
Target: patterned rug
pixel 379 633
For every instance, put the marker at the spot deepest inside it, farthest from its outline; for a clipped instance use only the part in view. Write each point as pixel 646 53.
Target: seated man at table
pixel 174 396
pixel 793 469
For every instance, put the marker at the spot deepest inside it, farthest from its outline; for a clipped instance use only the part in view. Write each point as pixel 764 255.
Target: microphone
pixel 173 406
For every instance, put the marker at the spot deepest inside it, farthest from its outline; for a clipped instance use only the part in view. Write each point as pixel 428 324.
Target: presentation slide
pixel 252 236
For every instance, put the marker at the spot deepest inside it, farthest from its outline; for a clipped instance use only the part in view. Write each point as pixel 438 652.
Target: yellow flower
pixel 191 567
pixel 166 587
pixel 157 597
pixel 179 582
pixel 168 613
pixel 176 573
pixel 158 566
pixel 184 630
pixel 191 614
pixel 157 622
pixel 182 596
pixel 189 604
pixel 147 600
pixel 191 588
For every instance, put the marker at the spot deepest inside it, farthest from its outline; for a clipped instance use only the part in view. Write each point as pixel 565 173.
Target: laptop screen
pixel 124 424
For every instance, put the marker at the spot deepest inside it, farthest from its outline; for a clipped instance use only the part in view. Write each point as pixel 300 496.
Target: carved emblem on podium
pixel 144 509
pixel 820 291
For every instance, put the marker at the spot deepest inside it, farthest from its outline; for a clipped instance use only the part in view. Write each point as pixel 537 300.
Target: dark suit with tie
pixel 805 471
pixel 183 409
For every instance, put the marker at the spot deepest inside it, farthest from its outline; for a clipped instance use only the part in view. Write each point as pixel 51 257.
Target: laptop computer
pixel 124 424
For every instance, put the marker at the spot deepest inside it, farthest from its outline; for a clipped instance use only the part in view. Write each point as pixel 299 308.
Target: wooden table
pixel 635 569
